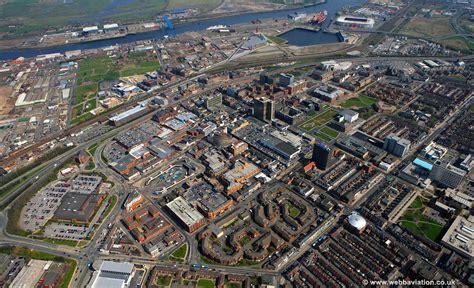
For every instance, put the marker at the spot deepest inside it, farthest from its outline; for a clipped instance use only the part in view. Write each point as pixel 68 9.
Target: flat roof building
pixel 187 215
pixel 128 115
pixel 460 236
pixel 113 275
pixel 78 206
pixel 353 21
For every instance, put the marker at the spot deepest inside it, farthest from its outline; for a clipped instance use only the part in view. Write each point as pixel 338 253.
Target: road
pixel 90 252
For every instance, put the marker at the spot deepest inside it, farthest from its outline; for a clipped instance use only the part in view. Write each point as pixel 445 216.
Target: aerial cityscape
pixel 236 143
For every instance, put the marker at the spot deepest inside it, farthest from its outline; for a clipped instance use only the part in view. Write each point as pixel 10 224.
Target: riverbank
pixel 196 24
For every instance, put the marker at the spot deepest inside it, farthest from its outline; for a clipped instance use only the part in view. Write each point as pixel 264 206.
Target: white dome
pixel 357 221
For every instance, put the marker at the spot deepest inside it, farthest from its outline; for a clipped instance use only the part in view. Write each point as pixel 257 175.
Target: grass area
pixel 163 280
pixel 418 223
pixel 206 260
pixel 246 262
pixel 277 40
pixel 180 253
pixel 329 132
pixel 293 210
pixel 92 71
pixel 359 102
pixel 458 43
pixel 233 285
pixel 206 283
pixel 90 105
pixel 38 255
pixel 111 204
pixel 90 165
pixel 65 242
pixel 322 137
pixel 318 120
pixel 85 91
pixel 92 149
pixel 139 68
pixel 245 240
pixel 437 26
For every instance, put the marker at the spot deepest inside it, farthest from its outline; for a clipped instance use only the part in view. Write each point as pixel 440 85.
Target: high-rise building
pixel 323 156
pixel 264 109
pixel 266 79
pixel 396 145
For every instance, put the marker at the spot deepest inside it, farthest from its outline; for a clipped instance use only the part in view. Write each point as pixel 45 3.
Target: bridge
pixel 169 26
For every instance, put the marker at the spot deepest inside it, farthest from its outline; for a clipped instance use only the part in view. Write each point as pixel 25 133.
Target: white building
pixel 113 275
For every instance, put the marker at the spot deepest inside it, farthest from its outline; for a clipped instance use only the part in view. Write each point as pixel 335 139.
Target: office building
pixel 264 109
pixel 187 215
pixel 323 156
pixel 396 145
pixel 459 236
pixel 266 79
pixel 446 174
pixel 286 79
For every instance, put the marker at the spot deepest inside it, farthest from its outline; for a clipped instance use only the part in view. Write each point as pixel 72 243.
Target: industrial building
pixel 113 275
pixel 187 215
pixel 78 207
pixel 129 115
pixel 355 22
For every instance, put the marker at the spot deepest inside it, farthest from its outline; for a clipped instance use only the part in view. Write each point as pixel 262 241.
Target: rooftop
pixel 184 211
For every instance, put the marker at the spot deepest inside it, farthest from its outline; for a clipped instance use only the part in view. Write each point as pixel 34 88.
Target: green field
pixel 418 223
pixel 66 242
pixel 20 17
pixel 318 120
pixel 294 211
pixel 323 137
pixel 92 71
pixel 92 149
pixel 206 283
pixel 163 280
pixel 277 40
pixel 329 132
pixel 112 201
pixel 359 102
pixel 180 253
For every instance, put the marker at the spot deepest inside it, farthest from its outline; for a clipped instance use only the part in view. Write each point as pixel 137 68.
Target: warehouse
pixel 129 115
pixel 356 22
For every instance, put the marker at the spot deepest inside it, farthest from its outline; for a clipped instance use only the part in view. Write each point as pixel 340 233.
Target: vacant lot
pixel 359 102
pixel 429 27
pixel 458 43
pixel 94 70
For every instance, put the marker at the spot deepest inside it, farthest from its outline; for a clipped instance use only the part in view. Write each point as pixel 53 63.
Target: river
pixel 332 6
